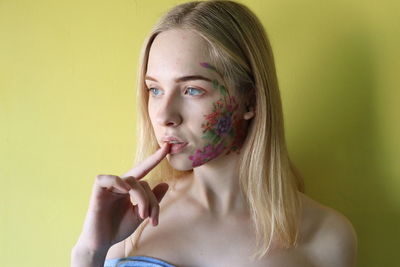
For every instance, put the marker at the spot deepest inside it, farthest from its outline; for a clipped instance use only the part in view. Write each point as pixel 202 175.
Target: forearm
pixel 81 257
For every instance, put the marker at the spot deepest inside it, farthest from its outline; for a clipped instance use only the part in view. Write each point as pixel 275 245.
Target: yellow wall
pixel 67 102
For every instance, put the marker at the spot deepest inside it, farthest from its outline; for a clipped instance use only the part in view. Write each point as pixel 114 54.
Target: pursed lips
pixel 172 140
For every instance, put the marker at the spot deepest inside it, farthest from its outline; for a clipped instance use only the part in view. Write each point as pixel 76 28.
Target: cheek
pixel 217 124
pixel 154 127
pixel 223 123
pixel 150 112
pixel 152 109
pixel 222 131
pixel 151 118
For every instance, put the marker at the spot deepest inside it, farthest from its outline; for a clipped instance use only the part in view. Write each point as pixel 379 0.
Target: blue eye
pixel 194 92
pixel 154 91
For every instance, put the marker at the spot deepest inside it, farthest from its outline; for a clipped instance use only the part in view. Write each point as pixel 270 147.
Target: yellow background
pixel 67 110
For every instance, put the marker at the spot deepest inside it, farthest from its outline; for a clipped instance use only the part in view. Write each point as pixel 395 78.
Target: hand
pixel 111 216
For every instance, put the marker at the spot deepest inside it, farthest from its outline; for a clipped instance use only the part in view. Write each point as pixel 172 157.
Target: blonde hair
pixel 240 50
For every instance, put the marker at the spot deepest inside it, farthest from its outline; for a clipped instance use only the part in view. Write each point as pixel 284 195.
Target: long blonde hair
pixel 240 50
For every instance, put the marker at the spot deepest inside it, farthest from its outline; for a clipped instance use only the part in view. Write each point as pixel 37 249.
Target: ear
pixel 249 114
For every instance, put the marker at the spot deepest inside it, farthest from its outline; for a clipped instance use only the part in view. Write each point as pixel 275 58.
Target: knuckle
pixel 102 177
pixel 144 184
pixel 140 193
pixel 105 180
pixel 130 180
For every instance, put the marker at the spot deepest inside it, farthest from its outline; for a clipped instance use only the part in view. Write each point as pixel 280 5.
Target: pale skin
pixel 204 221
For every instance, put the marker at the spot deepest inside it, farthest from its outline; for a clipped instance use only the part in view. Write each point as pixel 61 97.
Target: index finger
pixel 144 167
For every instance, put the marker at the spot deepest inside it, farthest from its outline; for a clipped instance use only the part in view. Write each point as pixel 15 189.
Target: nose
pixel 168 113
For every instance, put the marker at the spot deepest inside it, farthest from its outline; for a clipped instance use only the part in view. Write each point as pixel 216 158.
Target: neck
pixel 216 186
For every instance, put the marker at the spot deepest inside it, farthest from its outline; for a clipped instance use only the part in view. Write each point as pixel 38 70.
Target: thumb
pixel 160 190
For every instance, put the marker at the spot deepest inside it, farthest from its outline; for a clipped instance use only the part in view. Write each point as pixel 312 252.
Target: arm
pixel 83 257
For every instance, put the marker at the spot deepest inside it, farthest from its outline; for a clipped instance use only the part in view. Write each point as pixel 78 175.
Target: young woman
pixel 227 193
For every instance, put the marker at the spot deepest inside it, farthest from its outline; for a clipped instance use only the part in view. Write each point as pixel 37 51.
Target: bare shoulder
pixel 332 239
pixel 116 251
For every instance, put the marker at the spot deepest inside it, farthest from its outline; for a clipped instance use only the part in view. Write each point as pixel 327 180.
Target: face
pixel 189 105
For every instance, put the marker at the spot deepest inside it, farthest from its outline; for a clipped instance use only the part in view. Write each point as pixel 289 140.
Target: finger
pixel 159 191
pixel 138 194
pixel 144 167
pixel 112 183
pixel 153 207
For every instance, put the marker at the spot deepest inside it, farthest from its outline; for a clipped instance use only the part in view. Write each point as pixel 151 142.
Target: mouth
pixel 177 144
pixel 177 147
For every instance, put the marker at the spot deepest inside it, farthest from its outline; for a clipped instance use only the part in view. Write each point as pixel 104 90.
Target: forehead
pixel 176 53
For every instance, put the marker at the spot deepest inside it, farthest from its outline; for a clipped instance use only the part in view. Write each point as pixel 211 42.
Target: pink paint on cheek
pixel 223 128
pixel 216 130
pixel 206 154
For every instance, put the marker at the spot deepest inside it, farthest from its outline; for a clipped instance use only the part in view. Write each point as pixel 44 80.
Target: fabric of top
pixel 136 261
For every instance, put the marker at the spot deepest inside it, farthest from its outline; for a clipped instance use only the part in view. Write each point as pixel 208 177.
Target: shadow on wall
pixel 339 152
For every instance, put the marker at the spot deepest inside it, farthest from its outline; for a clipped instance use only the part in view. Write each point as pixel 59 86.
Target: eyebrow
pixel 183 79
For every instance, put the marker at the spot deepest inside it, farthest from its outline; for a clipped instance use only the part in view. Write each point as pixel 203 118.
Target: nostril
pixel 169 120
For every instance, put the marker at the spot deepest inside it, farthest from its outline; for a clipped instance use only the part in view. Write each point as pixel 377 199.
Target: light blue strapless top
pixel 136 261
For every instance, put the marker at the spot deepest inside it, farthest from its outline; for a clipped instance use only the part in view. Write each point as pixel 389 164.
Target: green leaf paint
pixel 223 128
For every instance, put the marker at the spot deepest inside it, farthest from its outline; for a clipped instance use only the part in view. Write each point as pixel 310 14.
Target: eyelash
pixel 187 88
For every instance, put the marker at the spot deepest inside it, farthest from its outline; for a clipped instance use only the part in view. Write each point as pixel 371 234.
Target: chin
pixel 180 162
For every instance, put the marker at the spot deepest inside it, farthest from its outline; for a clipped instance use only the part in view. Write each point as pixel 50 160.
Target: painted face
pixel 223 129
pixel 189 102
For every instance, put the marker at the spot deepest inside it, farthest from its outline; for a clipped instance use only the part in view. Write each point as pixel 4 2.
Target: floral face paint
pixel 223 128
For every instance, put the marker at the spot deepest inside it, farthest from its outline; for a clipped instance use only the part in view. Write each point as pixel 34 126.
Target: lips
pixel 172 139
pixel 177 148
pixel 177 143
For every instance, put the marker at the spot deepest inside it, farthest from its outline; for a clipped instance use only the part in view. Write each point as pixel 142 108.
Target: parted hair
pixel 240 50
